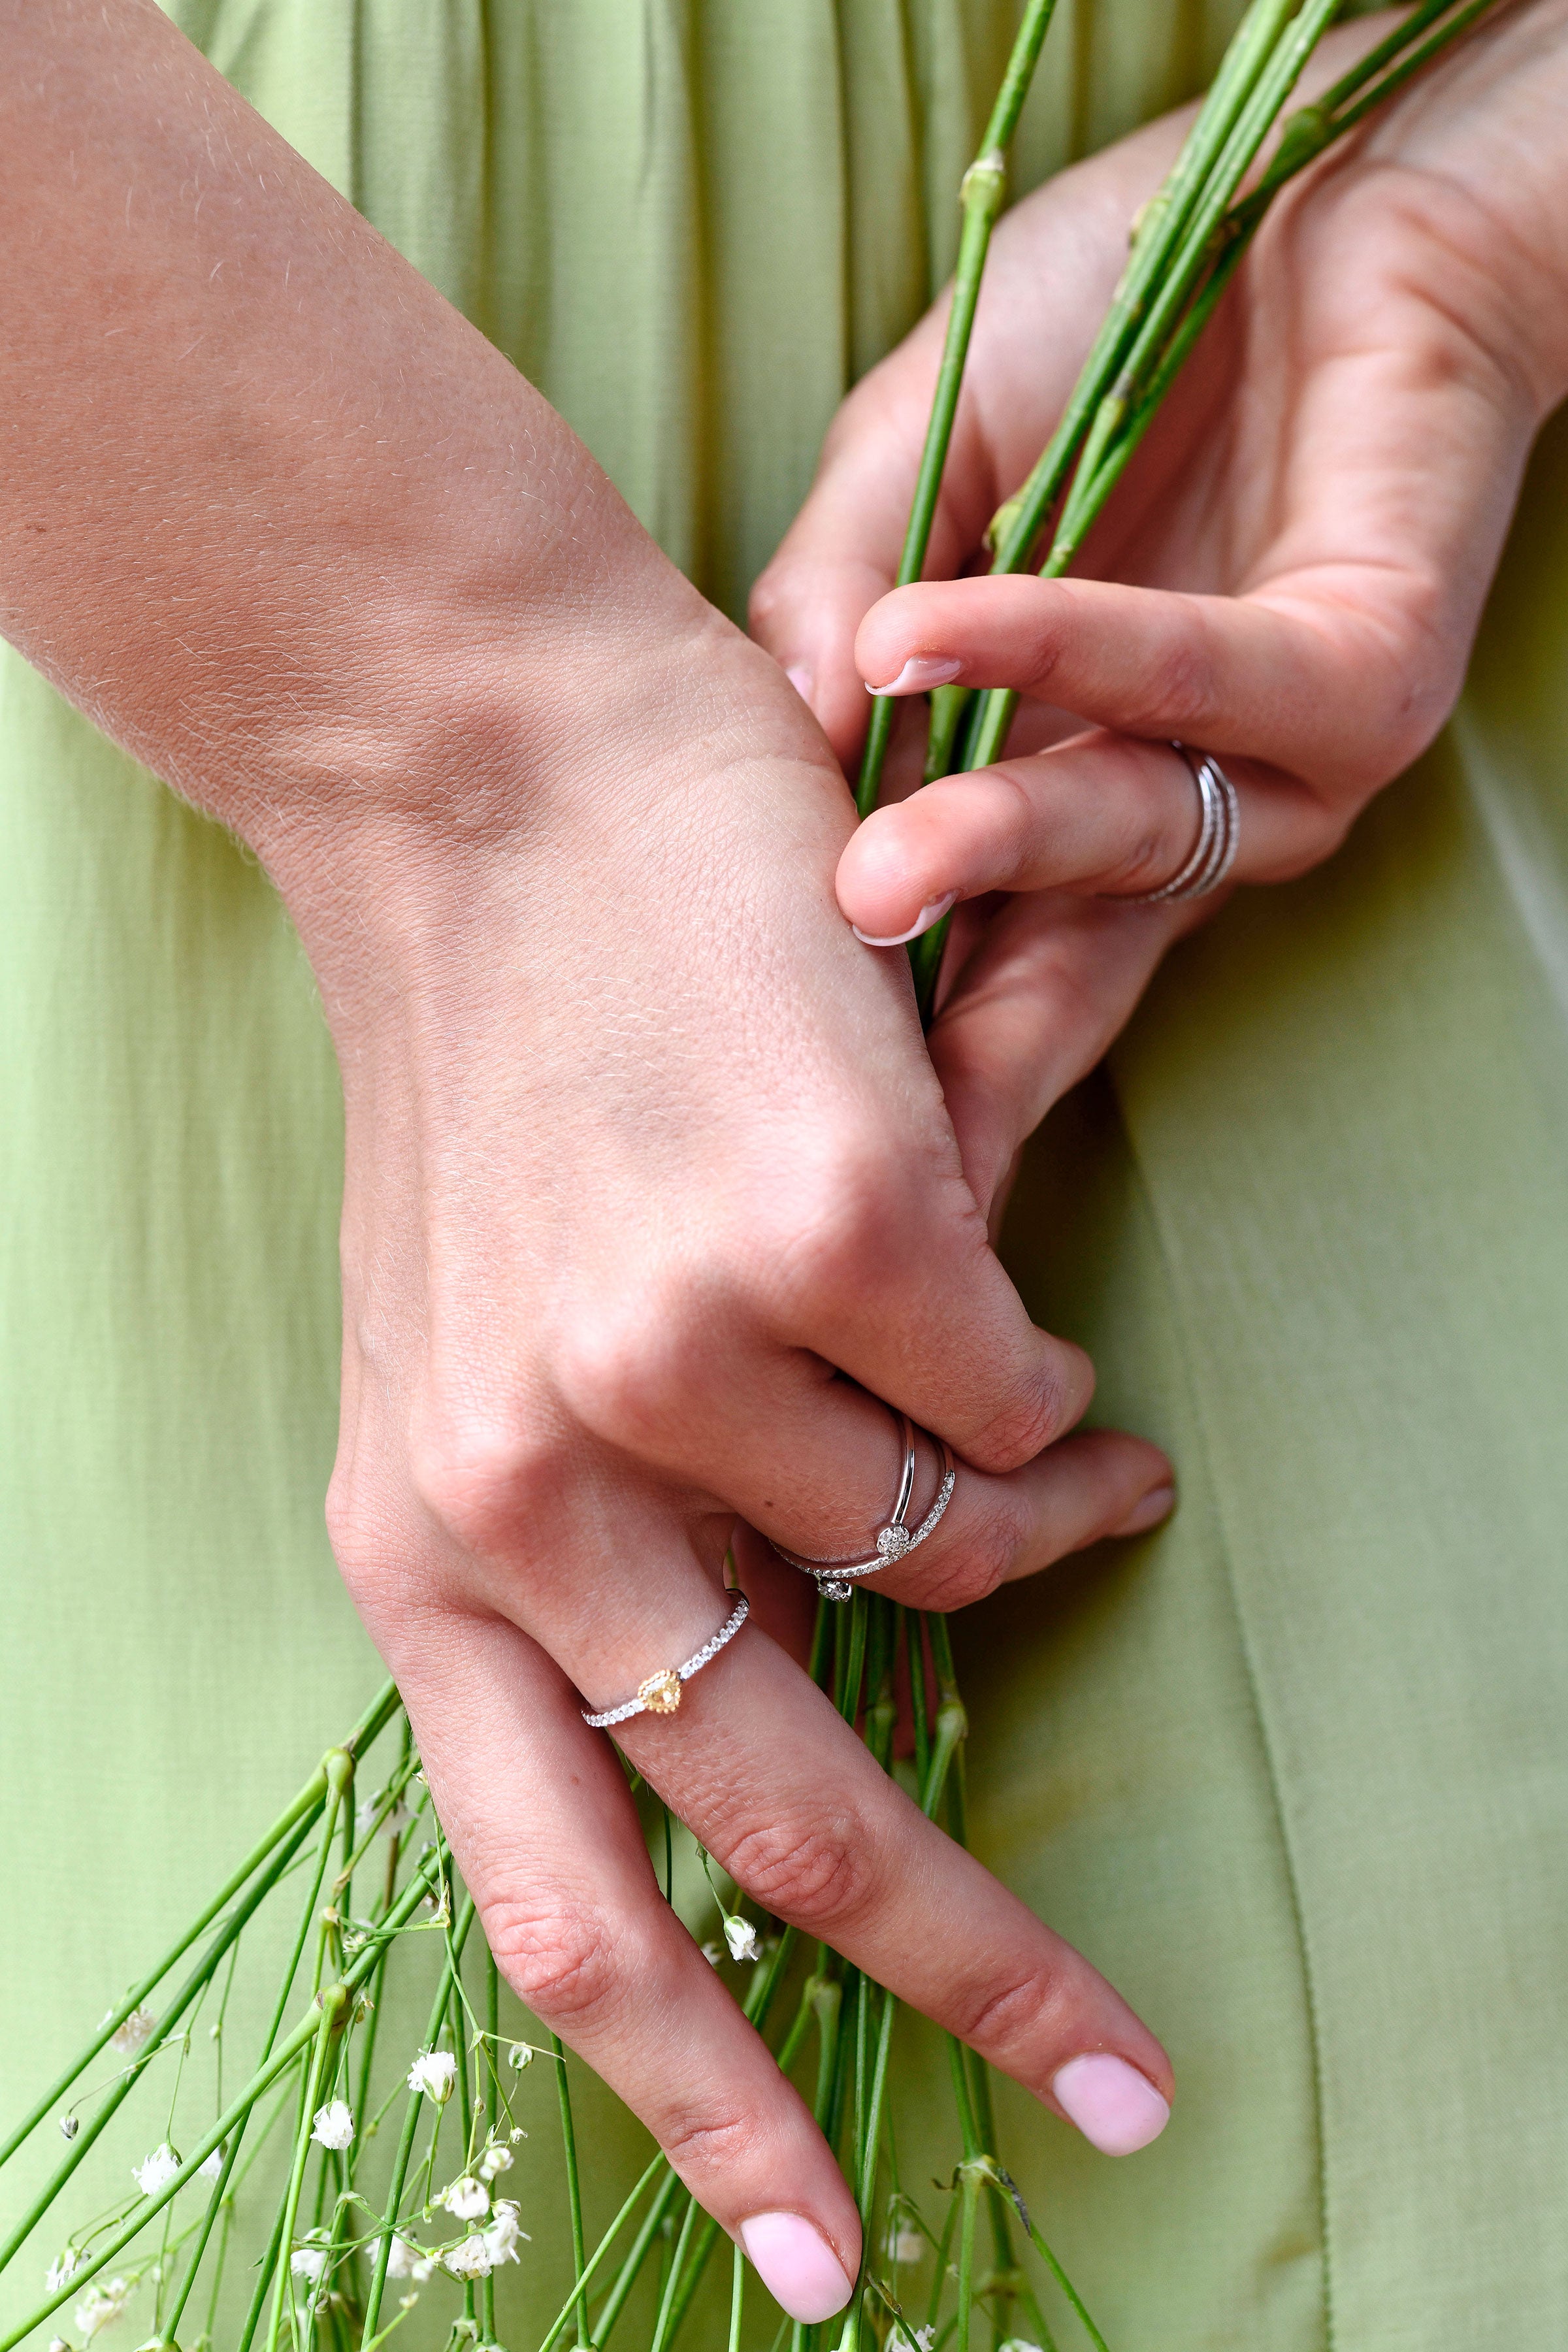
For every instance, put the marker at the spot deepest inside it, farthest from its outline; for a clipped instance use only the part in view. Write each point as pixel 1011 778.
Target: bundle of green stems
pixel 336 2254
pixel 335 2251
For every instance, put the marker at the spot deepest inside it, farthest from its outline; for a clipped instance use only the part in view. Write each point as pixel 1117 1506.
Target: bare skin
pixel 559 843
pixel 1289 575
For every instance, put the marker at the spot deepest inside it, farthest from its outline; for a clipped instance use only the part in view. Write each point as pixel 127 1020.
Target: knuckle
pixel 1030 1422
pixel 815 1874
pixel 482 1474
pixel 981 1559
pixel 1021 2009
pixel 1179 692
pixel 635 1375
pixel 561 1959
pixel 706 2142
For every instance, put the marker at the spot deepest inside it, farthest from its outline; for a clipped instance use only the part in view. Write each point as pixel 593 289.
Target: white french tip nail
pixel 928 915
pixel 797 2266
pixel 919 674
pixel 1116 2109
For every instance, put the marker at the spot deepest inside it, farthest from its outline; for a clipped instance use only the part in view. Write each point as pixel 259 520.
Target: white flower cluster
pixel 334 2125
pixel 308 2262
pixel 62 2270
pixel 105 2301
pixel 434 2072
pixel 467 2199
pixel 742 1938
pixel 134 2034
pixel 904 2244
pixel 155 2171
pixel 495 2158
pixel 483 2250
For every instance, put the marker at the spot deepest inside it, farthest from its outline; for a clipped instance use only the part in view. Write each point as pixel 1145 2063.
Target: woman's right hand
pixel 644 1151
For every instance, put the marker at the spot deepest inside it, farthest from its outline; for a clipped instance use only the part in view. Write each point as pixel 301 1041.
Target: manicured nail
pixel 1149 1513
pixel 1116 2108
pixel 919 674
pixel 928 915
pixel 801 678
pixel 797 2266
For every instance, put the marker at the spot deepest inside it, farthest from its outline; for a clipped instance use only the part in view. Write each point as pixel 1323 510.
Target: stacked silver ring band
pixel 1219 831
pixel 835 1578
pixel 660 1694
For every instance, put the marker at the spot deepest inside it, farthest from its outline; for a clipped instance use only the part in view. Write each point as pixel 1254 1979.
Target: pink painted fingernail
pixel 801 678
pixel 1116 2108
pixel 1156 1506
pixel 920 674
pixel 928 915
pixel 797 2266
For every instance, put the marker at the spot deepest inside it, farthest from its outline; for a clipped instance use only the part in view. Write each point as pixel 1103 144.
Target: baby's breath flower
pixel 497 2158
pixel 502 2237
pixel 1019 2344
pixel 334 2125
pixel 403 2257
pixel 904 2244
pixel 58 2344
pixel 69 2127
pixel 155 2171
pixel 210 2167
pixel 425 2268
pixel 712 1953
pixel 467 2197
pixel 470 2258
pixel 102 2305
pixel 520 2055
pixel 308 2262
pixel 434 2072
pixel 62 2270
pixel 742 1938
pixel 134 2033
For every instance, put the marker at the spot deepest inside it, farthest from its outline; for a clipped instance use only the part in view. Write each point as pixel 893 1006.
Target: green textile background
pixel 1292 1771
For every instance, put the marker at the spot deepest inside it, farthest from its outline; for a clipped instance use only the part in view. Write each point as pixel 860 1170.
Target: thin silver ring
pixel 660 1692
pixel 895 1539
pixel 1219 835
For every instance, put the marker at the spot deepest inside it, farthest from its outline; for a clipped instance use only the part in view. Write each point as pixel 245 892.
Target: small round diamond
pixel 892 1543
pixel 661 1695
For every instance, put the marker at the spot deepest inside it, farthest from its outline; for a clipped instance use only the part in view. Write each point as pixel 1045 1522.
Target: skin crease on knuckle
pixel 820 1873
pixel 572 1965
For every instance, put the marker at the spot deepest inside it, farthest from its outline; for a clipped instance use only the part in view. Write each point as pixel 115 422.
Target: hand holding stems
pixel 1288 574
pixel 646 1168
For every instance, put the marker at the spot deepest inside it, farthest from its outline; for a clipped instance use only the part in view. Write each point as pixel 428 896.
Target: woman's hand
pixel 1289 575
pixel 650 1180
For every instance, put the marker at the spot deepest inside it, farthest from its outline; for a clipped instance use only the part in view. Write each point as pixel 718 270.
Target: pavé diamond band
pixel 835 1578
pixel 662 1693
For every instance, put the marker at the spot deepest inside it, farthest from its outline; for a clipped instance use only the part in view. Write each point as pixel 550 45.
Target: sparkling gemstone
pixel 892 1543
pixel 834 1589
pixel 661 1692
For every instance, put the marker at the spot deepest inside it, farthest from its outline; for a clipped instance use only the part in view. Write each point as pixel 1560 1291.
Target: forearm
pixel 270 510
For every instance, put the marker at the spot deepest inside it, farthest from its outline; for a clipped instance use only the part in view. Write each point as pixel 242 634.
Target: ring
pixel 895 1539
pixel 1219 832
pixel 661 1693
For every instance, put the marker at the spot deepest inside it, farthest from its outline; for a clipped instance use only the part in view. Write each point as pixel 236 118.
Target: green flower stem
pixel 564 2316
pixel 490 2047
pixel 631 2269
pixel 199 1976
pixel 573 2186
pixel 969 2199
pixel 737 2292
pixel 980 195
pixel 662 2325
pixel 331 2007
pixel 464 1920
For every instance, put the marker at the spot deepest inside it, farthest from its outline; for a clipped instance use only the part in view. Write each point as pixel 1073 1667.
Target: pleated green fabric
pixel 1292 1771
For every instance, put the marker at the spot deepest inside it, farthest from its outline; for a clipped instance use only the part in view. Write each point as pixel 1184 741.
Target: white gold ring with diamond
pixel 662 1693
pixel 835 1578
pixel 1212 854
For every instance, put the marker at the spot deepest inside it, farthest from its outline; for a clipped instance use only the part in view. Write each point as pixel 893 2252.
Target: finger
pixel 1328 675
pixel 540 1818
pixel 777 1786
pixel 841 553
pixel 1103 814
pixel 1050 981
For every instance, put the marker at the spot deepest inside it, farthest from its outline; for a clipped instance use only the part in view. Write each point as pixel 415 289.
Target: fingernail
pixel 1116 2108
pixel 801 678
pixel 919 674
pixel 928 915
pixel 1149 1513
pixel 797 2266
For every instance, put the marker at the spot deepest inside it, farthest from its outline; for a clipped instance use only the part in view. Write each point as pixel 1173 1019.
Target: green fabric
pixel 1291 1772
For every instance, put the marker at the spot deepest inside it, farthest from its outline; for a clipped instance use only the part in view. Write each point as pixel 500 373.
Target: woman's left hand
pixel 1306 537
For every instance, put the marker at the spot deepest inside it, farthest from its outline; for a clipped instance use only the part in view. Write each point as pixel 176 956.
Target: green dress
pixel 1291 1772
